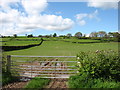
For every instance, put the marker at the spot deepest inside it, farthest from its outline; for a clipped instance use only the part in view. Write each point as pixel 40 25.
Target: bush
pixel 99 68
pixel 7 78
pixel 37 83
pixel 102 64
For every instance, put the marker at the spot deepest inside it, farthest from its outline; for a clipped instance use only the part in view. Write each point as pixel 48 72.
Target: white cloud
pixel 4 3
pixel 15 22
pixel 34 7
pixel 48 22
pixel 103 4
pixel 81 18
pixel 82 22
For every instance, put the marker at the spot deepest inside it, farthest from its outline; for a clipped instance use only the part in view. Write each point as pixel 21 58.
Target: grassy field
pixel 81 40
pixel 60 48
pixel 54 47
pixel 19 41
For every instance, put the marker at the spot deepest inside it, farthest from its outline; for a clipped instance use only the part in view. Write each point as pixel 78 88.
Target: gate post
pixel 8 63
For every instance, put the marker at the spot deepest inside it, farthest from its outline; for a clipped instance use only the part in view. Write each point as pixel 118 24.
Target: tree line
pixel 101 34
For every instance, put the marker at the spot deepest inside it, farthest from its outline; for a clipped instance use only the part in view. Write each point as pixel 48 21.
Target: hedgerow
pixel 101 67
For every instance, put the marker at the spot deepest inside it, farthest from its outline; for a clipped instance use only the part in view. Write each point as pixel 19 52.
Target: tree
pixel 102 33
pixel 114 34
pixel 78 34
pixel 39 35
pixel 84 35
pixel 47 36
pixel 15 35
pixel 30 35
pixel 93 34
pixel 69 35
pixel 54 35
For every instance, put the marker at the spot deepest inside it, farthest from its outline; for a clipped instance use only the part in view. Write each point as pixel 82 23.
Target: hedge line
pixel 11 48
pixel 75 42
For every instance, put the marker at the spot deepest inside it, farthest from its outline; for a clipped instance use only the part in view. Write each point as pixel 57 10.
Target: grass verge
pixel 80 82
pixel 37 83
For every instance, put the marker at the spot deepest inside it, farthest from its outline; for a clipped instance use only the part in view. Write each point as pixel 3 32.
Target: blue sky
pixel 108 18
pixel 82 18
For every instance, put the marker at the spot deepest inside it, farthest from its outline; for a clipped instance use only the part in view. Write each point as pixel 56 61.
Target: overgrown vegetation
pixel 6 76
pixel 37 83
pixel 98 70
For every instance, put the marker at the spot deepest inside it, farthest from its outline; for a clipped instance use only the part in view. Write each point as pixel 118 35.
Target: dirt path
pixel 14 85
pixel 57 83
pixel 57 68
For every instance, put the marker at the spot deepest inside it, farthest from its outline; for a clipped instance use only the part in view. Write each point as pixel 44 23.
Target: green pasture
pixel 60 48
pixel 81 40
pixel 19 41
pixel 35 40
pixel 12 39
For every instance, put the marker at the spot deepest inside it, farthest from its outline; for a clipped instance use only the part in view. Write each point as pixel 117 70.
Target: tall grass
pixel 37 83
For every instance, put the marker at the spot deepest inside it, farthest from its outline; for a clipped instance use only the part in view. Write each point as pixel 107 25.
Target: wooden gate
pixel 42 66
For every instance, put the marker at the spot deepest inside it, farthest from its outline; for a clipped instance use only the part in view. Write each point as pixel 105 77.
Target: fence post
pixel 8 63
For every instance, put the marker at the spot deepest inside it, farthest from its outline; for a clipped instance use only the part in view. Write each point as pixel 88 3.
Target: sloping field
pixel 19 41
pixel 60 48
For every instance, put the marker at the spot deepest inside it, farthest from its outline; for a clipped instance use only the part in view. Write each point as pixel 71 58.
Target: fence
pixel 41 66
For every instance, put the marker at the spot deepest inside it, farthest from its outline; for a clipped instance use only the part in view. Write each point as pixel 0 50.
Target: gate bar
pixel 42 56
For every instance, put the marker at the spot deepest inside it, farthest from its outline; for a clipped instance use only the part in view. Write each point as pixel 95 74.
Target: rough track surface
pixel 57 83
pixel 15 85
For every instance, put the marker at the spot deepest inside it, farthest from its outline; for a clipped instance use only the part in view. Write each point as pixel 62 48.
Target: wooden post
pixel 8 63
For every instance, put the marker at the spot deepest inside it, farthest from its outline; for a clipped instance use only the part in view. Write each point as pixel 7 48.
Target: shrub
pixel 6 76
pixel 102 64
pixel 97 70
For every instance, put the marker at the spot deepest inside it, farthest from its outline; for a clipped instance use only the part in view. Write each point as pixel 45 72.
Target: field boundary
pixel 11 48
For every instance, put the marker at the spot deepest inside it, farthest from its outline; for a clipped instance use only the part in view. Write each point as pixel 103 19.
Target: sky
pixel 40 17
